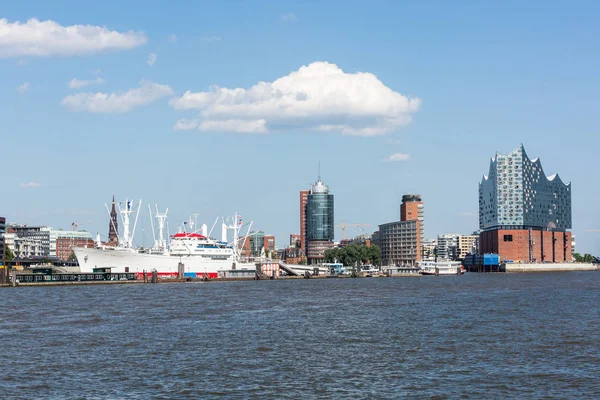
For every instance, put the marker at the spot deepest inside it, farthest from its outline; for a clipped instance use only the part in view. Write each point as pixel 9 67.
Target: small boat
pixel 441 268
pixel 369 271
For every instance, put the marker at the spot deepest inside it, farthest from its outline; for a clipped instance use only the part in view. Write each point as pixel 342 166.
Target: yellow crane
pixel 343 225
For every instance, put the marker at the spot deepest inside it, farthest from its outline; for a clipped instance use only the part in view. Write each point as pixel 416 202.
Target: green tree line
pixel 586 258
pixel 354 254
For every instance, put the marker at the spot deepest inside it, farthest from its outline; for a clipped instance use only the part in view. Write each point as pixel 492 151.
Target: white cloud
pixel 289 17
pixel 79 83
pixel 23 88
pixel 49 38
pixel 151 59
pixel 30 184
pixel 117 102
pixel 319 97
pixel 211 38
pixel 185 124
pixel 172 38
pixel 397 157
pixel 234 125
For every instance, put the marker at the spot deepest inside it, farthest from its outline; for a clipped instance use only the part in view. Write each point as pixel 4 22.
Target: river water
pixel 471 336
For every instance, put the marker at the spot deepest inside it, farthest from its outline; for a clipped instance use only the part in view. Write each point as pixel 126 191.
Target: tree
pixel 588 258
pixel 375 255
pixel 9 254
pixel 577 257
pixel 72 257
pixel 354 254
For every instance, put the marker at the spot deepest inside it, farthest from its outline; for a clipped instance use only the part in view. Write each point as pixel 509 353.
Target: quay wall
pixel 559 267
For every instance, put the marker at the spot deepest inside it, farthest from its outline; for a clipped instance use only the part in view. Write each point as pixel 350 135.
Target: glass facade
pixel 319 217
pixel 257 241
pixel 517 194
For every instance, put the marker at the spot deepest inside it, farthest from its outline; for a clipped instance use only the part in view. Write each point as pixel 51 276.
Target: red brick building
pixel 303 202
pixel 64 246
pixel 252 245
pixel 528 245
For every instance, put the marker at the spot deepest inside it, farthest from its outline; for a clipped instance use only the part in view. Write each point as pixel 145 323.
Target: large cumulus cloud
pixel 319 96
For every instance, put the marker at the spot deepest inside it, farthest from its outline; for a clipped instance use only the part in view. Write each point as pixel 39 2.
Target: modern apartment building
pixel 401 242
pixel 524 215
pixel 447 247
pixel 253 244
pixel 31 241
pixel 43 241
pixel 428 250
pixel 467 244
pixel 412 208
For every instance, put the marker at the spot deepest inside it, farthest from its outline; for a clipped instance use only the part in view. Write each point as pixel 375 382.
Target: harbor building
pixel 319 231
pixel 400 242
pixel 524 215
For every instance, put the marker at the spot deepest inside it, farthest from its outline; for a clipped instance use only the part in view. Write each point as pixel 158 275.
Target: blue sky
pixel 487 77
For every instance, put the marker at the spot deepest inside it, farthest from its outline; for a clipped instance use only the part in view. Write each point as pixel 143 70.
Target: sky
pixel 217 107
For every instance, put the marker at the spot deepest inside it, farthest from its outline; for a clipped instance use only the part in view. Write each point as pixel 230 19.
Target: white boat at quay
pixel 441 268
pixel 189 253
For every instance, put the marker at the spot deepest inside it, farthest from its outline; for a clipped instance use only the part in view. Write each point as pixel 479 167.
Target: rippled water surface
pixel 473 336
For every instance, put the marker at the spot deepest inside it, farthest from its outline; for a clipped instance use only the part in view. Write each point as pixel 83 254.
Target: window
pixel 508 238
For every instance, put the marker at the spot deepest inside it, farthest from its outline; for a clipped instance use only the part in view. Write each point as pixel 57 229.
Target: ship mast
pixel 127 239
pixel 161 218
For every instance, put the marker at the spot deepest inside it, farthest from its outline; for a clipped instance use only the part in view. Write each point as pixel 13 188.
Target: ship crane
pixel 343 225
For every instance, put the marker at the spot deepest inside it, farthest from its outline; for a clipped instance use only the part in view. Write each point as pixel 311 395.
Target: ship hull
pixel 121 261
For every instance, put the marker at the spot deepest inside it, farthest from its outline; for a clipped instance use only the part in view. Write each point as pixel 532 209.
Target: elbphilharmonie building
pixel 524 215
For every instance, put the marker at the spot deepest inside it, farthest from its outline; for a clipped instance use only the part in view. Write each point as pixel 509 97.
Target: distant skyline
pixel 213 108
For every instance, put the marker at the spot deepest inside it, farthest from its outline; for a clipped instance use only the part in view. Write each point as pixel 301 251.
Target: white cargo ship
pixel 190 254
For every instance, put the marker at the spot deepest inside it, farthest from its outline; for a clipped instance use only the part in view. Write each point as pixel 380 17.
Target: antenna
pixel 319 169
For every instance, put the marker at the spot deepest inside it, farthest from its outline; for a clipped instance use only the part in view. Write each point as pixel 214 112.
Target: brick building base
pixel 527 245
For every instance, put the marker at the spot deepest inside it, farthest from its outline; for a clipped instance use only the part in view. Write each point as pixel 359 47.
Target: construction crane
pixel 75 225
pixel 343 225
